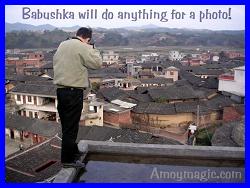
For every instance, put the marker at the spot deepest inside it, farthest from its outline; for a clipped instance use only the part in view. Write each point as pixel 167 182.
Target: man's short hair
pixel 84 32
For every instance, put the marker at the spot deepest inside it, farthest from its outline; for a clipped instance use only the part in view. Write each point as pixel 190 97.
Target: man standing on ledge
pixel 71 62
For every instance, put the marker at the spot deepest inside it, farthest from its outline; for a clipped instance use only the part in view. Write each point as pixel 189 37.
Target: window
pixel 35 100
pixel 93 109
pixel 18 98
pixel 29 98
pixel 12 135
pixel 171 73
pixel 30 114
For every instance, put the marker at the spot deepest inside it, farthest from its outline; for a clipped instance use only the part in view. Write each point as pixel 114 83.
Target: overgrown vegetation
pixel 204 136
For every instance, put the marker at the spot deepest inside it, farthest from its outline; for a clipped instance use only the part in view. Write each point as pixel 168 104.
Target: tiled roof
pixel 32 125
pixel 114 93
pixel 191 107
pixel 25 78
pixel 199 70
pixel 120 135
pixel 111 93
pixel 47 66
pixel 155 108
pixel 218 102
pixel 35 89
pixel 157 80
pixel 172 93
pixel 22 167
pixel 206 106
pixel 107 72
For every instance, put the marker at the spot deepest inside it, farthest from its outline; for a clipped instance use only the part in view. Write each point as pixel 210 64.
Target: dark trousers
pixel 70 104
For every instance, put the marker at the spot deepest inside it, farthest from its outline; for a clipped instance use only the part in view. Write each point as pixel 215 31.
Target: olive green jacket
pixel 71 62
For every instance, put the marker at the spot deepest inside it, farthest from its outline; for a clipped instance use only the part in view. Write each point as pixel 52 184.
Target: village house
pixel 234 54
pixel 39 101
pixel 130 96
pixel 110 57
pixel 11 80
pixel 32 60
pixel 149 57
pixel 172 119
pixel 184 62
pixel 36 101
pixel 153 67
pixel 10 69
pixel 118 113
pixel 34 71
pixel 29 131
pixel 145 75
pixel 130 60
pixel 158 81
pixel 92 113
pixel 205 57
pixel 116 116
pixel 133 69
pixel 175 55
pixel 171 73
pixel 203 72
pixel 129 84
pixel 112 82
pixel 233 85
pixel 173 94
pixel 195 62
pixel 210 82
pixel 47 67
pixel 97 76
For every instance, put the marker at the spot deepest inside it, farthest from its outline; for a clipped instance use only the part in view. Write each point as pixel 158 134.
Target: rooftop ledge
pixel 160 154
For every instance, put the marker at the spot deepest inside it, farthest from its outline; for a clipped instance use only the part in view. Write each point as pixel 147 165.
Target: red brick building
pixel 233 113
pixel 195 62
pixel 234 54
pixel 32 60
pixel 116 116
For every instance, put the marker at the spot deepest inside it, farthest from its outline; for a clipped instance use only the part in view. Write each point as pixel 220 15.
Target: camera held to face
pixel 91 42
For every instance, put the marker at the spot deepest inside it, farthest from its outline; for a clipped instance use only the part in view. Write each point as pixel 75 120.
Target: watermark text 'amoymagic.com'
pixel 195 175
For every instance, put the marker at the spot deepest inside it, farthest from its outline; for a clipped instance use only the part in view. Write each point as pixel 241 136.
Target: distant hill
pixel 45 36
pixel 27 27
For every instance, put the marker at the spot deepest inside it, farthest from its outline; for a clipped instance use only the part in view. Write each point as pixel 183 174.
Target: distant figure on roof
pixel 71 62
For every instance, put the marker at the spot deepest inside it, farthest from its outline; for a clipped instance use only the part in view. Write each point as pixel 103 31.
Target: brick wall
pixel 21 64
pixel 231 114
pixel 117 119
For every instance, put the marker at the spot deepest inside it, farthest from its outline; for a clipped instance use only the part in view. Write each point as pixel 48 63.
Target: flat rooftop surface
pixel 134 170
pixel 104 171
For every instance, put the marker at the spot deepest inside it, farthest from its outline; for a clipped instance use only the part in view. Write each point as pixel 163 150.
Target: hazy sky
pixel 161 16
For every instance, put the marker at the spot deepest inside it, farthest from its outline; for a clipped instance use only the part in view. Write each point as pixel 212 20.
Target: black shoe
pixel 76 164
pixel 78 155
